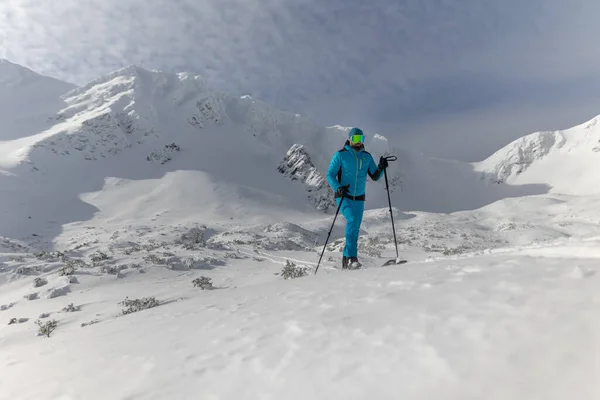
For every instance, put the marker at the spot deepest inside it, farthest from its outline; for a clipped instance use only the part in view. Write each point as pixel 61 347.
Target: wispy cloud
pixel 385 65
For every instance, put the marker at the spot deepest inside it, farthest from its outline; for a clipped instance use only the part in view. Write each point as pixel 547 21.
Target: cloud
pixel 382 65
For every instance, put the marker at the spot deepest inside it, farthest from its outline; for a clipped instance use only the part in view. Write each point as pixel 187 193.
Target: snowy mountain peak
pixel 517 156
pixel 131 105
pixel 566 160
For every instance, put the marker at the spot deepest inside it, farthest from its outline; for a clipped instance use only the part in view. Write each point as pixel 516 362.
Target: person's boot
pixel 353 263
pixel 344 262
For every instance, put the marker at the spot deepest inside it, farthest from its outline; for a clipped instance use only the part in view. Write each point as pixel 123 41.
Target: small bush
pixel 292 271
pixel 112 270
pixel 99 256
pixel 12 321
pixel 163 155
pixel 46 328
pixel 27 270
pixel 38 282
pixel 66 270
pixel 73 264
pixel 154 259
pixel 138 304
pixel 31 296
pixel 92 322
pixel 71 308
pixel 203 283
pixel 192 239
pixel 234 255
pixel 50 255
pixel 57 292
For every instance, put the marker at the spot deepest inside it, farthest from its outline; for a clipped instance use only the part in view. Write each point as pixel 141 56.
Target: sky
pixel 451 78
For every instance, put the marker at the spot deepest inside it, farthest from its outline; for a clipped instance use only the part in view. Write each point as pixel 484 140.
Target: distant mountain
pixel 565 160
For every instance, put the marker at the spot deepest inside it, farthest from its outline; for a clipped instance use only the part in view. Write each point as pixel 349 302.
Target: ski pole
pixel 329 234
pixel 391 158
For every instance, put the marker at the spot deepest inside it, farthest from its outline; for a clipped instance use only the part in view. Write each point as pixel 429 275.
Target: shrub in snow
pixel 66 270
pixel 176 264
pixel 134 247
pixel 154 259
pixel 44 315
pixel 92 322
pixel 371 246
pixel 138 304
pixel 12 321
pixel 5 307
pixel 27 270
pixel 163 155
pixel 192 239
pixel 46 328
pixel 99 256
pixel 291 271
pixel 234 255
pixel 31 296
pixel 50 255
pixel 112 270
pixel 23 320
pixel 38 282
pixel 203 283
pixel 456 250
pixel 152 245
pixel 71 308
pixel 76 263
pixel 203 262
pixel 57 292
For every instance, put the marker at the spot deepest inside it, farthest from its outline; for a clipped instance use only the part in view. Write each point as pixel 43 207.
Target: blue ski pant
pixel 352 210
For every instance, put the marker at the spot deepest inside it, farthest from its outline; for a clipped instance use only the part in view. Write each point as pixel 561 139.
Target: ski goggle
pixel 357 138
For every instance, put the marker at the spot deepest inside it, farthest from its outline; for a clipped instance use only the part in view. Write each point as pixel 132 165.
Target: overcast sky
pixel 454 78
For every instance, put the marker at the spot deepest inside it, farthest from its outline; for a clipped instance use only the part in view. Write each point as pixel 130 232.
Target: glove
pixel 342 190
pixel 383 163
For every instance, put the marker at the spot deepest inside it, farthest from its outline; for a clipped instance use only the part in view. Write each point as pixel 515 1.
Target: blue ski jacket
pixel 351 167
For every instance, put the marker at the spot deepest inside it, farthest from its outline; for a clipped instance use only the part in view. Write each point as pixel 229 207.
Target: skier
pixel 347 175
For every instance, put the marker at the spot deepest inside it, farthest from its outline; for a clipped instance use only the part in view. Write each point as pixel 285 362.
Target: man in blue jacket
pixel 347 175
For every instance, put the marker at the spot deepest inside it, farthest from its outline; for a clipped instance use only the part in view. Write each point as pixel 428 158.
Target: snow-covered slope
pixel 27 100
pixel 147 188
pixel 565 160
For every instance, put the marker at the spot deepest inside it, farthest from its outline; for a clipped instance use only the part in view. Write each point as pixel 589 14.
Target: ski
pixel 394 262
pixel 385 264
